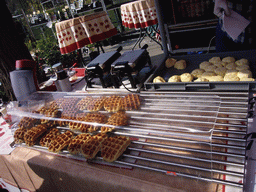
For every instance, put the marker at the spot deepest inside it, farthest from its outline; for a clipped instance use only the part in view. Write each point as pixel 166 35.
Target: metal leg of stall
pixel 143 34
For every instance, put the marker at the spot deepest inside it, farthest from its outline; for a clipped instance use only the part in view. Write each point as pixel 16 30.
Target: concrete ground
pixel 154 49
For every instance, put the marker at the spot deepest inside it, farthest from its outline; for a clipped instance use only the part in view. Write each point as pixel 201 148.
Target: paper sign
pixel 234 24
pixel 6 137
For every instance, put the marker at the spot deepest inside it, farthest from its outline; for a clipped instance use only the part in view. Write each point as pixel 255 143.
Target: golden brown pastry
pixel 19 135
pixel 214 60
pixel 231 75
pixel 32 134
pixel 242 67
pixel 197 72
pixel 117 119
pixel 174 78
pixel 231 66
pixel 186 77
pixel 219 64
pixel 181 64
pixel 76 143
pixel 229 59
pixel 27 122
pixel 224 64
pixel 113 147
pixel 96 104
pixel 170 62
pixel 208 74
pixel 231 78
pixel 159 79
pixel 131 102
pixel 242 61
pixel 220 71
pixel 247 79
pixel 204 65
pixel 244 74
pixel 84 102
pixel 113 103
pixel 90 119
pixel 201 79
pixel 231 72
pixel 210 68
pixel 60 142
pixel 46 140
pixel 216 78
pixel 92 146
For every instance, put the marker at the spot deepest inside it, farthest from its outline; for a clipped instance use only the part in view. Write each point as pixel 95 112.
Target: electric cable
pixel 208 50
pixel 120 79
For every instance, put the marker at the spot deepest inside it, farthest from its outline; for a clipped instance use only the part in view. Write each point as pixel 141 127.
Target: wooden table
pixel 35 170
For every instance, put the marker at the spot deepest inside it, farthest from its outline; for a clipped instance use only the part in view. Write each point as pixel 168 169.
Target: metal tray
pixel 193 62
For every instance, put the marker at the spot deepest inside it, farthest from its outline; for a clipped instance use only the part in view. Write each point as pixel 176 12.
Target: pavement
pixel 155 52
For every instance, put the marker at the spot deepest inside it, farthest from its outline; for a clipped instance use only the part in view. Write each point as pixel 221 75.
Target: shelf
pixel 204 23
pixel 46 1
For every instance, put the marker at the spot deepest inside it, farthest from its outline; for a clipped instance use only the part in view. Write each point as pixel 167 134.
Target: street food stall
pixel 179 130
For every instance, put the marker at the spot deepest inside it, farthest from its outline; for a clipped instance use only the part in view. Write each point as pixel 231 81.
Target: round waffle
pixel 76 143
pixel 113 103
pixel 46 140
pixel 131 101
pixel 96 104
pixel 113 147
pixel 83 103
pixel 60 142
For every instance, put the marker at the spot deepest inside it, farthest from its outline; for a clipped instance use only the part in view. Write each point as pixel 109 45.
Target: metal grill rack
pixel 197 135
pixel 181 156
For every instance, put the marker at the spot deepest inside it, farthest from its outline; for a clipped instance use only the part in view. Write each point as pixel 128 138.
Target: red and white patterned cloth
pixel 139 14
pixel 6 137
pixel 75 33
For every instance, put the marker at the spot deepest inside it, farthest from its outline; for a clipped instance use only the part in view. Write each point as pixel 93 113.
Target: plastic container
pixel 22 83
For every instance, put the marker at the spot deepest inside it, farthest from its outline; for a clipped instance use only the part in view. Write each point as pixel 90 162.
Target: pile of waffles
pixel 85 125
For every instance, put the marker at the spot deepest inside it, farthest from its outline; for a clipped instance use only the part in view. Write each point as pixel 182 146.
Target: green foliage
pixel 48 52
pixel 2 93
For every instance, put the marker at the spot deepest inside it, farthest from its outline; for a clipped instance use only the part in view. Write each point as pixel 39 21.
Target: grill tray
pixel 193 62
pixel 199 136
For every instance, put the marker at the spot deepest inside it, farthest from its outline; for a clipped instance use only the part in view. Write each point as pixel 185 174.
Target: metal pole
pixel 70 9
pixel 161 26
pixel 26 19
pixel 104 6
